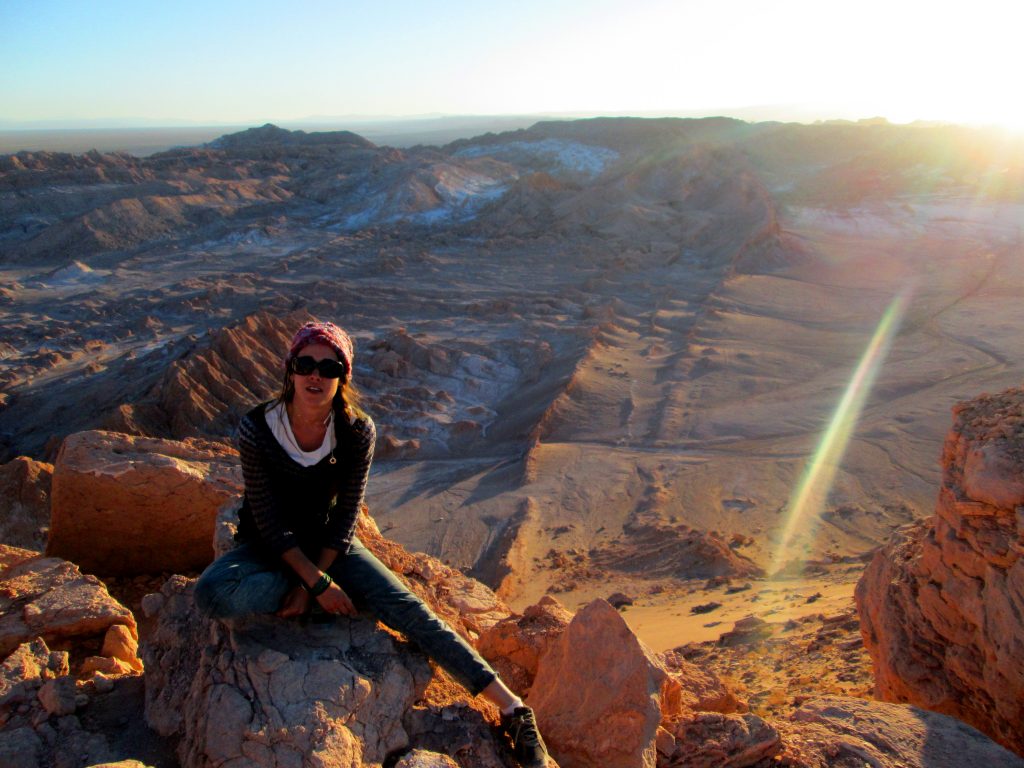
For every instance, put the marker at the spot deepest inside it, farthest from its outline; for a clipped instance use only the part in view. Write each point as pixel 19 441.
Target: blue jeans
pixel 246 581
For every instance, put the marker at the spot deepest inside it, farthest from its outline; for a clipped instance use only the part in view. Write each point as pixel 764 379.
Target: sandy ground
pixel 668 621
pixel 705 412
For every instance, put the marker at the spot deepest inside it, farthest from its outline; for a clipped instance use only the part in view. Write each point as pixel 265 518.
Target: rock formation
pixel 205 394
pixel 50 598
pixel 268 692
pixel 603 700
pixel 25 502
pixel 271 691
pixel 515 645
pixel 160 495
pixel 942 606
pixel 836 732
pixel 63 639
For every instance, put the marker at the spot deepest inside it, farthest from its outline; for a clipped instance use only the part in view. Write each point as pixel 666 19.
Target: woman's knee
pixel 212 597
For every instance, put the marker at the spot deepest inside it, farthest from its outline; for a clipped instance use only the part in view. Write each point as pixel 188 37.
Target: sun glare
pixel 808 498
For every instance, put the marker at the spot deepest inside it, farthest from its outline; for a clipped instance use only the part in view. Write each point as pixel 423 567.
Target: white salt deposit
pixel 460 193
pixel 565 155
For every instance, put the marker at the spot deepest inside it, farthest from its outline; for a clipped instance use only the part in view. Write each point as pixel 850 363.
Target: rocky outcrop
pixel 604 700
pixel 25 502
pixel 834 731
pixel 205 393
pixel 49 598
pixel 269 692
pixel 55 622
pixel 133 505
pixel 942 606
pixel 515 645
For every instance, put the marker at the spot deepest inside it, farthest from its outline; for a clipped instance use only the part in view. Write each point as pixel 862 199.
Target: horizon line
pixel 99 124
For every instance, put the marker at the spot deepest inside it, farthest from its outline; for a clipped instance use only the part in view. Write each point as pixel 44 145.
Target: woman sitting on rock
pixel 305 459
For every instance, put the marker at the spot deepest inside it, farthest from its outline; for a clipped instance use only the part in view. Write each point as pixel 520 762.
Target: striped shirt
pixel 289 505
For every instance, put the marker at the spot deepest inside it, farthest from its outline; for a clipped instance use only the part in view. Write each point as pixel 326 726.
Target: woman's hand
pixel 334 600
pixel 296 603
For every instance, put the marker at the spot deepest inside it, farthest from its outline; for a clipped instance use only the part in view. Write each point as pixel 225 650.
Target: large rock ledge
pixel 162 496
pixel 268 692
pixel 942 606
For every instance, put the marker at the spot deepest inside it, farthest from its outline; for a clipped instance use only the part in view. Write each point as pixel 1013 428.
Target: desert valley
pixel 701 369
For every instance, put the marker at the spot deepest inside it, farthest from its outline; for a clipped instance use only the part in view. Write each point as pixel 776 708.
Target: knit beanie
pixel 323 333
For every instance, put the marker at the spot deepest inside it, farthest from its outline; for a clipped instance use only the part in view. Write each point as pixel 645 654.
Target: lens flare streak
pixel 808 498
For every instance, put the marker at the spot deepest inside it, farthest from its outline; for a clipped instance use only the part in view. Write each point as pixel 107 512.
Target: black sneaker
pixel 527 745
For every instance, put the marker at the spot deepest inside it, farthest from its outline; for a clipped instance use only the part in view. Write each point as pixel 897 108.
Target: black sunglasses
pixel 329 369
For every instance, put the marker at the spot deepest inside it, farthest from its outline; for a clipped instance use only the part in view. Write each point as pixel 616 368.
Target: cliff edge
pixel 942 605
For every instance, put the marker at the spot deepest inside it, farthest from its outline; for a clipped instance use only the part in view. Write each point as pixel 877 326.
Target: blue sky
pixel 250 62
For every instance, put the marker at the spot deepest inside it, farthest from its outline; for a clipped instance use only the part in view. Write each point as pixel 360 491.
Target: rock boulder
pixel 515 645
pixel 839 731
pixel 600 694
pixel 270 692
pixel 50 598
pixel 126 505
pixel 28 668
pixel 605 700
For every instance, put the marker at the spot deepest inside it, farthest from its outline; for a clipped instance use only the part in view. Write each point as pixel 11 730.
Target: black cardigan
pixel 288 505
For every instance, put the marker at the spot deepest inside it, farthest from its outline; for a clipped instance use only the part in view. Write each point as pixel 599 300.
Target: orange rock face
pixel 942 606
pixel 50 598
pixel 132 505
pixel 600 694
pixel 515 645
